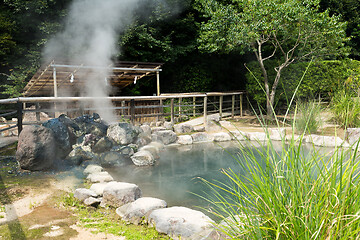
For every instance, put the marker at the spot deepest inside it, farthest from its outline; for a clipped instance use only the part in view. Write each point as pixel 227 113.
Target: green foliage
pixel 346 109
pixel 323 78
pixel 289 194
pixel 308 117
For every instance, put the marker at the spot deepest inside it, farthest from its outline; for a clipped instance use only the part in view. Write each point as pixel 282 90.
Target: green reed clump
pixel 346 109
pixel 308 117
pixel 289 194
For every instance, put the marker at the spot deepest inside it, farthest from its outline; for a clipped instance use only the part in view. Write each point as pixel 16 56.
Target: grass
pixel 289 194
pixel 107 221
pixel 308 117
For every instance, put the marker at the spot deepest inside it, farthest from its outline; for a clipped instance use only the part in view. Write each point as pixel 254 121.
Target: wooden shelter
pixel 52 77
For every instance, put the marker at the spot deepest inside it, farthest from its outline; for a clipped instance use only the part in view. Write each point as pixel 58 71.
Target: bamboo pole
pixel 221 106
pixel 172 111
pixel 20 108
pixel 241 105
pixel 232 106
pixel 205 112
pixel 194 106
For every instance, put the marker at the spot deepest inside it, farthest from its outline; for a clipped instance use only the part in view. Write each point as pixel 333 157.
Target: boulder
pixel 91 201
pixel 256 136
pixel 201 137
pixel 61 135
pixel 352 135
pixel 114 159
pixel 103 145
pixel 91 124
pixel 168 125
pixel 92 168
pixel 36 148
pixel 142 141
pixel 143 158
pixel 237 135
pixel 184 140
pixel 165 136
pixel 146 130
pixel 179 221
pixel 277 134
pixel 122 133
pixel 156 129
pixel 135 211
pixel 213 123
pixel 117 194
pixel 221 137
pixel 226 124
pixel 159 123
pixel 81 153
pixel 83 193
pixel 100 177
pixel 183 128
pixel 152 149
pixel 98 188
pixel 199 129
pixel 325 141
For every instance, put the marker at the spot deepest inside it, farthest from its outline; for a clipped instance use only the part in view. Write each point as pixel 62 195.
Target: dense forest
pixel 206 45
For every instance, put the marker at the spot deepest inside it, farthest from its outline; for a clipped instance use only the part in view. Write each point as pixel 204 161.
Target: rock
pixel 36 148
pixel 100 177
pixel 152 149
pixel 184 139
pixel 135 211
pixel 82 152
pixel 277 134
pixel 201 137
pixel 199 129
pixel 169 125
pixel 98 188
pixel 88 124
pixel 226 124
pixel 103 145
pixel 92 168
pixel 61 135
pixel 82 193
pixel 117 194
pixel 352 135
pixel 237 135
pixel 325 141
pixel 122 133
pixel 143 158
pixel 179 221
pixel 166 136
pixel 146 130
pixel 159 123
pixel 221 137
pixel 91 201
pixel 114 159
pixel 142 141
pixel 156 129
pixel 183 128
pixel 256 136
pixel 126 150
pixel 213 123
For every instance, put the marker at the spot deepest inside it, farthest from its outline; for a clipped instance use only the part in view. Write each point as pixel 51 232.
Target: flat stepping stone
pixel 100 177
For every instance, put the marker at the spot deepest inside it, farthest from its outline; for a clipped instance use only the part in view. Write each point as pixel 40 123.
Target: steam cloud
pixel 90 37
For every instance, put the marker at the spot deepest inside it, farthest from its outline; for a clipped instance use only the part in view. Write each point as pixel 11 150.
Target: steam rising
pixel 89 38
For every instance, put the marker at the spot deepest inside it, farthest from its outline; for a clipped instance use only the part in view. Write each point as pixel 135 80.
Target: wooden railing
pixel 171 107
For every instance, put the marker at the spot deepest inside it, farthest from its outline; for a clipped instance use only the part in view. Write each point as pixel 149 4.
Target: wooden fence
pixel 170 107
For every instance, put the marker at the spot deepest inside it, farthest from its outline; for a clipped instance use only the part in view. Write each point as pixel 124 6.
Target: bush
pixel 346 109
pixel 308 117
pixel 289 194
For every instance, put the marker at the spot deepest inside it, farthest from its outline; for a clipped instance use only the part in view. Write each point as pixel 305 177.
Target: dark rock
pixel 165 136
pixel 61 135
pixel 103 145
pixel 91 124
pixel 36 148
pixel 114 158
pixel 81 152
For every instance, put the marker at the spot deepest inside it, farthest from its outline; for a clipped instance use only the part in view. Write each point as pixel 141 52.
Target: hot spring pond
pixel 175 176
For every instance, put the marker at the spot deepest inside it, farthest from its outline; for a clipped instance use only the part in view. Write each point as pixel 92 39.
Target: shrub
pixel 308 116
pixel 346 109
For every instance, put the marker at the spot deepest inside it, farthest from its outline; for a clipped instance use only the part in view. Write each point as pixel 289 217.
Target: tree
pixel 291 30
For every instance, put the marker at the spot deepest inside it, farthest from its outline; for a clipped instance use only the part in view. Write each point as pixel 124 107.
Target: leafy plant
pixel 308 117
pixel 346 109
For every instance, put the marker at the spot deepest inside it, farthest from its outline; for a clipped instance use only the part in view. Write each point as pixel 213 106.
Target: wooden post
pixel 122 108
pixel 180 100
pixel 241 107
pixel 161 111
pixel 37 113
pixel 132 111
pixel 172 111
pixel 158 83
pixel 221 106
pixel 20 108
pixel 55 92
pixel 194 107
pixel 232 106
pixel 205 112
